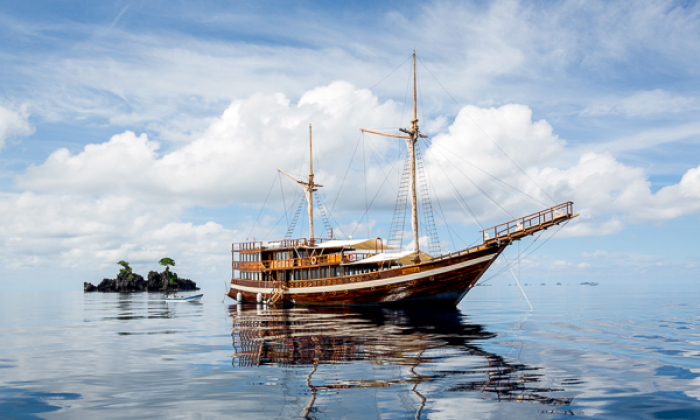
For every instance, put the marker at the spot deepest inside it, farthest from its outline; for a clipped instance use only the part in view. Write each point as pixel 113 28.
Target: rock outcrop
pixel 131 282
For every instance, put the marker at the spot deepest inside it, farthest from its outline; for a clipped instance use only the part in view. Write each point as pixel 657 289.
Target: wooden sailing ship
pixel 318 271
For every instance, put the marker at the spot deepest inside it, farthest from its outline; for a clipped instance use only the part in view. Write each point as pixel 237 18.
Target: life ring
pixel 313 260
pixel 351 257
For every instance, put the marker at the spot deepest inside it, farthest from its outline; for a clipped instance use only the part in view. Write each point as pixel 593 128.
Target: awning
pixel 375 244
pixel 405 258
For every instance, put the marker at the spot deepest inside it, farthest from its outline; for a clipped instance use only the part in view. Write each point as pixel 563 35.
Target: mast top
pixel 415 109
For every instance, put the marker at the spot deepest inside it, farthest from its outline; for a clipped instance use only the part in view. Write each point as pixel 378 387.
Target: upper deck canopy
pixel 375 244
pixel 405 258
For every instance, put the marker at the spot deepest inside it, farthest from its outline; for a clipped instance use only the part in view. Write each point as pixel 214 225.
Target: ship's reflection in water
pixel 380 336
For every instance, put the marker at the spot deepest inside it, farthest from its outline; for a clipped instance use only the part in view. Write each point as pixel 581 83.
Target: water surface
pixel 593 352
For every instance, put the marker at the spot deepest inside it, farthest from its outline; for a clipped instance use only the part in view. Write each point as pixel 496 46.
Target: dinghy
pixel 176 298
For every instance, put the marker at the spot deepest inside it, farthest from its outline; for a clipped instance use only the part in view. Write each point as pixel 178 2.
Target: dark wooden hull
pixel 440 282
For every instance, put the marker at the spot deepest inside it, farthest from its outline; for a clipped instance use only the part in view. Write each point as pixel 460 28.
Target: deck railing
pixel 284 243
pixel 528 224
pixel 347 257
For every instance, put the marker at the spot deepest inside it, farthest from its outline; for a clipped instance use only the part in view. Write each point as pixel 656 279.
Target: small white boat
pixel 176 298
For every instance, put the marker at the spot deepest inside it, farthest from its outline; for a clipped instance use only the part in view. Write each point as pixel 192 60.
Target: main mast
pixel 412 150
pixel 411 138
pixel 309 187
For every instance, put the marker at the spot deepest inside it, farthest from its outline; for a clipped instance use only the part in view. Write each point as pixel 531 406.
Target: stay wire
pixel 373 198
pixel 482 192
pixel 364 170
pixel 486 134
pixel 511 188
pixel 380 166
pixel 364 94
pixel 262 208
pixel 522 257
pixel 442 215
pixel 456 193
pixel 346 173
pixel 284 202
pixel 280 219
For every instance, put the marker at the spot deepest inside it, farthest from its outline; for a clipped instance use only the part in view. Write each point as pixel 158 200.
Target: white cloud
pixel 165 79
pixel 123 199
pixel 229 162
pixel 597 254
pixel 80 232
pixel 13 123
pixel 644 103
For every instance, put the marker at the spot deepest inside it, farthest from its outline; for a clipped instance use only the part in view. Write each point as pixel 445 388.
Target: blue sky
pixel 135 131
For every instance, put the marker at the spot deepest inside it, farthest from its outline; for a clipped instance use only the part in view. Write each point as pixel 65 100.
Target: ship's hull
pixel 440 282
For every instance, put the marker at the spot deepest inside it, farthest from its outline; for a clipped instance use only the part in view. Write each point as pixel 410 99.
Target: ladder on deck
pixel 277 295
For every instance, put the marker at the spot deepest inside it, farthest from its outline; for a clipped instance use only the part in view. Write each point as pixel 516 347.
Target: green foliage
pixel 126 268
pixel 167 262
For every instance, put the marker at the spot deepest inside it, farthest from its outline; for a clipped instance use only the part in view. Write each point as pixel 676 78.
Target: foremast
pixel 411 138
pixel 309 187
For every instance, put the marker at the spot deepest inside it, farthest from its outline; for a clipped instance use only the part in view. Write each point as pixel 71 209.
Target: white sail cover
pixel 405 258
pixel 375 244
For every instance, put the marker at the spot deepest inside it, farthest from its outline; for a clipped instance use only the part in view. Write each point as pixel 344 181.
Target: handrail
pixel 532 222
pixel 314 260
pixel 284 243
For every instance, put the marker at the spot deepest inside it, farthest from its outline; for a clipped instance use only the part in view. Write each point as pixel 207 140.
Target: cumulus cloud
pixel 124 198
pixel 85 232
pixel 13 123
pixel 228 162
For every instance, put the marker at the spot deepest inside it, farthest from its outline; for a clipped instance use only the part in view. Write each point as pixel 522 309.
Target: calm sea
pixel 607 351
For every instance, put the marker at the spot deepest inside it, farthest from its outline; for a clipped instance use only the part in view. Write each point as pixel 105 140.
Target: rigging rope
pixel 261 209
pixel 482 192
pixel 522 257
pixel 363 95
pixel 284 202
pixel 346 174
pixel 280 219
pixel 373 198
pixel 512 189
pixel 486 134
pixel 364 170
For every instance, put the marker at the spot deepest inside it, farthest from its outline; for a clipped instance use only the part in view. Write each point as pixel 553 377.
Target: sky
pixel 139 130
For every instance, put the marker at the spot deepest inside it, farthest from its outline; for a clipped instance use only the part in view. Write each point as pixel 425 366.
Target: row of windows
pixel 251 276
pixel 250 257
pixel 312 274
pixel 284 255
pixel 322 273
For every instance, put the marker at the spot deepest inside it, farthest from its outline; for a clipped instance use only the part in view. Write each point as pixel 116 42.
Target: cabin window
pixel 336 271
pixel 305 274
pixel 297 275
pixel 281 277
pixel 324 273
pixel 236 274
pixel 314 273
